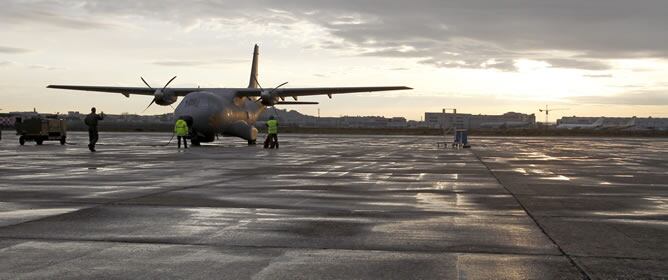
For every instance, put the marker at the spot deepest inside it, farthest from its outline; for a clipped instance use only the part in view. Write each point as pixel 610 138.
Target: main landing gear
pixel 195 141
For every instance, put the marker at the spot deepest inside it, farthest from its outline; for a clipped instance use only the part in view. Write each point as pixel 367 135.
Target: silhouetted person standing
pixel 91 122
pixel 272 134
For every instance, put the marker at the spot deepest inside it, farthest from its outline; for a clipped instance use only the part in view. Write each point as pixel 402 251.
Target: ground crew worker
pixel 181 131
pixel 272 133
pixel 91 121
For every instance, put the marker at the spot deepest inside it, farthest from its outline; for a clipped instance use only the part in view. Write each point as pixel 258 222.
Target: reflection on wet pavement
pixel 601 200
pixel 333 207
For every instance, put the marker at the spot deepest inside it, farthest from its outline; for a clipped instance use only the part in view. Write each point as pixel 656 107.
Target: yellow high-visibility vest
pixel 181 128
pixel 272 126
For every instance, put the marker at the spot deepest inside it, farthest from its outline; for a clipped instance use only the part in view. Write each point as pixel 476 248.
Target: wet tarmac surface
pixel 335 207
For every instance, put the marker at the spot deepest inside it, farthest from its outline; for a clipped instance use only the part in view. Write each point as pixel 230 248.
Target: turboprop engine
pixel 267 97
pixel 162 96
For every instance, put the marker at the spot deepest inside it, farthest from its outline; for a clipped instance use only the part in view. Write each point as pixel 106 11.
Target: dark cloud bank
pixel 578 34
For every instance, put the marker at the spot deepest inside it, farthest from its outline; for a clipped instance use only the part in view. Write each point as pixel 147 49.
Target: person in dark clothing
pixel 91 121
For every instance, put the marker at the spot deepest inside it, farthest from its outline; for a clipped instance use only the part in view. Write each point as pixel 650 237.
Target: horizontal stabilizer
pixel 296 103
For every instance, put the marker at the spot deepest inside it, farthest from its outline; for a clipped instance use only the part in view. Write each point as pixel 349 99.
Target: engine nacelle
pixel 267 99
pixel 164 97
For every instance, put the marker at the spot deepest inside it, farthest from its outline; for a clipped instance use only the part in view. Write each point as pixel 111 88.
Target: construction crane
pixel 547 111
pixel 454 111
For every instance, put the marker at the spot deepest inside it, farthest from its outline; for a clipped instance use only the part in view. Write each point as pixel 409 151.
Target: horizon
pixel 605 59
pixel 539 117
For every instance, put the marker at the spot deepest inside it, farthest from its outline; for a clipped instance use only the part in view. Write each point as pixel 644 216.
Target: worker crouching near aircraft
pixel 272 134
pixel 181 131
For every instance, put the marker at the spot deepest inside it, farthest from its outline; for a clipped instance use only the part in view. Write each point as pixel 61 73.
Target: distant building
pixel 470 121
pixel 363 122
pixel 294 118
pixel 397 122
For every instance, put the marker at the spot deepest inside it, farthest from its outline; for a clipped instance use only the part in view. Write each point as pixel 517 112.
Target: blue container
pixel 461 137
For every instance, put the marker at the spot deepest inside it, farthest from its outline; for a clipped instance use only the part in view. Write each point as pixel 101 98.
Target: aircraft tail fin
pixel 598 122
pixel 252 83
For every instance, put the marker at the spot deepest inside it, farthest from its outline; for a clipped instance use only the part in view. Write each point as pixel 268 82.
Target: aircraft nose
pixel 198 107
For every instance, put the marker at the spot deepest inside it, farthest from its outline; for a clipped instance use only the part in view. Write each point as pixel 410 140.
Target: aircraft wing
pixel 241 92
pixel 125 90
pixel 288 92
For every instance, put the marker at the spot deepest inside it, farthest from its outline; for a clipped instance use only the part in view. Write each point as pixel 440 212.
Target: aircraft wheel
pixel 22 140
pixel 63 140
pixel 252 142
pixel 195 141
pixel 194 138
pixel 39 141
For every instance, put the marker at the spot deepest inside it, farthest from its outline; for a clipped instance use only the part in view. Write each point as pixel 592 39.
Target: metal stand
pixel 446 130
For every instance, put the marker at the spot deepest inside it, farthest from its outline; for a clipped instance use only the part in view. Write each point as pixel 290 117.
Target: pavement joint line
pixel 621 258
pixel 600 218
pixel 111 203
pixel 328 210
pixel 60 261
pixel 50 202
pixel 164 191
pixel 542 229
pixel 146 242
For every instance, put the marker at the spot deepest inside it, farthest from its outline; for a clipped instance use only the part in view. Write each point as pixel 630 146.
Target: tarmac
pixel 334 207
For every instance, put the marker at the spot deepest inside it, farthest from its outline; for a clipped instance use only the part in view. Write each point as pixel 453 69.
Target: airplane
pixel 226 111
pixel 505 124
pixel 631 123
pixel 597 124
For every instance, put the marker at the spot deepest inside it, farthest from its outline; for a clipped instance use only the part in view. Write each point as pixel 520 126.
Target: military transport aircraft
pixel 225 111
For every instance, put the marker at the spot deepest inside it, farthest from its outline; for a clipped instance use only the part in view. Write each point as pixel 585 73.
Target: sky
pixel 580 57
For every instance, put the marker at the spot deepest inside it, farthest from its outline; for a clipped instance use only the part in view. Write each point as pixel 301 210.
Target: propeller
pixel 267 97
pixel 271 98
pixel 157 91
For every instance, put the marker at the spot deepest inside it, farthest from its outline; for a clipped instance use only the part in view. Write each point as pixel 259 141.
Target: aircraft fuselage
pixel 220 112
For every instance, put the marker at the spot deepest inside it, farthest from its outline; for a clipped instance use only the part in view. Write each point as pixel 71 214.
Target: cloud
pixel 181 63
pixel 467 34
pixel 445 33
pixel 4 63
pixel 599 76
pixel 578 64
pixel 642 97
pixel 184 63
pixel 41 67
pixel 12 50
pixel 50 13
